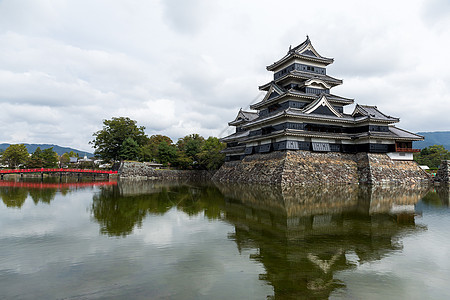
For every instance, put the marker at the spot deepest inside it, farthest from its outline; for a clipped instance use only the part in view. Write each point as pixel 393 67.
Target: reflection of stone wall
pixel 138 170
pixel 304 167
pixel 139 187
pixel 393 199
pixel 311 200
pixel 444 193
pixel 321 199
pixel 443 174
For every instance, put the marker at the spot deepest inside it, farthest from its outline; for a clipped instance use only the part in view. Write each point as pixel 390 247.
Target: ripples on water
pixel 152 240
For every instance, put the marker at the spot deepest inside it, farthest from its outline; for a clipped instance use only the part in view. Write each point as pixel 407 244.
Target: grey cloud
pixel 435 11
pixel 187 17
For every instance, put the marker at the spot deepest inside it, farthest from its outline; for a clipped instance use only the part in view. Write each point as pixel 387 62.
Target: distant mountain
pixel 58 149
pixel 434 138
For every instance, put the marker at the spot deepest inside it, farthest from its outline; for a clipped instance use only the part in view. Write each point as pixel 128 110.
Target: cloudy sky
pixel 180 67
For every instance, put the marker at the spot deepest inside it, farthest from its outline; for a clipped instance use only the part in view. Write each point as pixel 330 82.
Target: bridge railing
pixel 60 170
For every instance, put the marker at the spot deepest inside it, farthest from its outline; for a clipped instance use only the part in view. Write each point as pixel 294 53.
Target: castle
pixel 300 114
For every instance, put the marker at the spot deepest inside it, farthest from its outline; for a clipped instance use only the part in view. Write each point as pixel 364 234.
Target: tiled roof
pixel 235 136
pixel 372 112
pixel 401 133
pixel 305 51
pixel 310 97
pixel 249 115
pixel 332 98
pixel 309 75
pixel 344 118
pixel 243 117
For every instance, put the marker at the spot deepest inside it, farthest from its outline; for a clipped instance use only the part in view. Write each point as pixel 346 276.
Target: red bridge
pixel 61 170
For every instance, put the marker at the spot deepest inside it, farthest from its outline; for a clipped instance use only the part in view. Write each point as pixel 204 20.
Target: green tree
pixel 49 158
pixel 73 154
pixel 129 149
pixel 36 160
pixel 149 151
pixel 108 142
pixel 64 159
pixel 15 155
pixel 431 156
pixel 189 149
pixel 210 157
pixel 183 161
pixel 167 154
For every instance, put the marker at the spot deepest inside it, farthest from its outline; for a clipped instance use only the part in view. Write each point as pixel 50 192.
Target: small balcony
pixel 409 150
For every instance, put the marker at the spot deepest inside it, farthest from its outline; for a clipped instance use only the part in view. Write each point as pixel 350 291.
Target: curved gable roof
pixel 321 102
pixel 372 112
pixel 304 51
pixel 243 117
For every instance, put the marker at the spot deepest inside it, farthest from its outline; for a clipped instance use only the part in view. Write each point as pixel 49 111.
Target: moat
pixel 155 240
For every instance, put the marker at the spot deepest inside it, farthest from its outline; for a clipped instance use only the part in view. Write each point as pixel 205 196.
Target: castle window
pixel 274 107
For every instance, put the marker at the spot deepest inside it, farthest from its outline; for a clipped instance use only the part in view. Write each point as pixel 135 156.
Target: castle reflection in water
pixel 305 235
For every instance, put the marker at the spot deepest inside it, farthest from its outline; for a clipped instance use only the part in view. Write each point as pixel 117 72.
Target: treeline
pixel 122 139
pixel 432 156
pixel 17 155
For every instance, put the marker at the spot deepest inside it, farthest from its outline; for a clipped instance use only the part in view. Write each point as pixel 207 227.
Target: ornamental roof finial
pixel 307 37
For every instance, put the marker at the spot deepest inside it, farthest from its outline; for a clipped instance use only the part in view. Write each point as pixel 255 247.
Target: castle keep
pixel 299 113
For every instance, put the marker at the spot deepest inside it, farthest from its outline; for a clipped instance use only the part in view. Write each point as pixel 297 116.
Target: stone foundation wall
pixel 257 168
pixel 384 170
pixel 142 171
pixel 443 173
pixel 304 167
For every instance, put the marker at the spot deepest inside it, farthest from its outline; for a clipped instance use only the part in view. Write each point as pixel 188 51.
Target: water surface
pixel 151 240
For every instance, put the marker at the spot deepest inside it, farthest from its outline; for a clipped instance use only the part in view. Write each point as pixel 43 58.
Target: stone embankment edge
pixel 143 171
pixel 304 167
pixel 443 173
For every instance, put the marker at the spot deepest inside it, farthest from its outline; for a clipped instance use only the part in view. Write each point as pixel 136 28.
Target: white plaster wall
pixel 400 155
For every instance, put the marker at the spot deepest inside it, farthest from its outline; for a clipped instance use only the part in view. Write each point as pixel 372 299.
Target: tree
pixel 210 157
pixel 129 150
pixel 49 158
pixel 149 151
pixel 189 148
pixel 46 158
pixel 15 155
pixel 64 159
pixel 183 161
pixel 36 160
pixel 431 156
pixel 108 142
pixel 73 154
pixel 167 154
